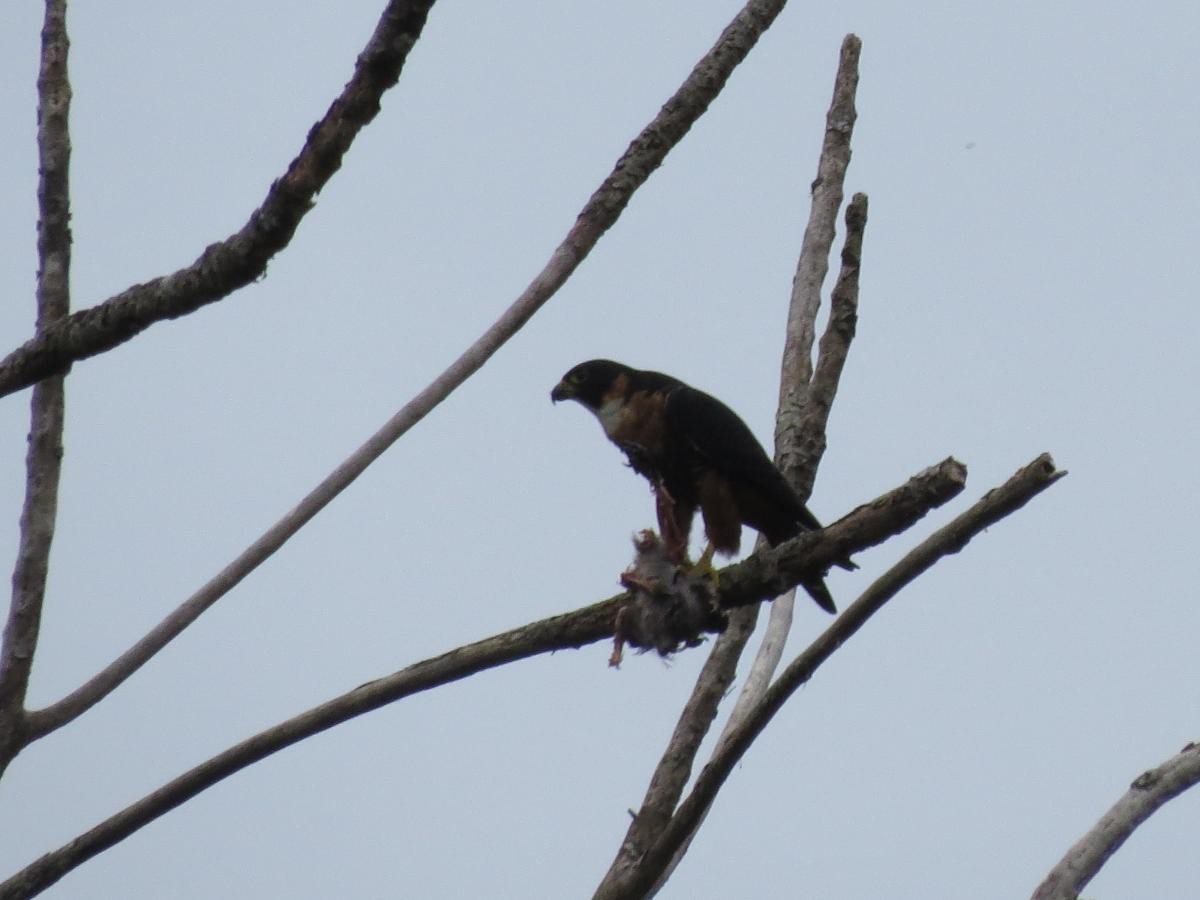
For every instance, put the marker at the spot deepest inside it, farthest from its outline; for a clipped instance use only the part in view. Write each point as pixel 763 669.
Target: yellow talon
pixel 704 565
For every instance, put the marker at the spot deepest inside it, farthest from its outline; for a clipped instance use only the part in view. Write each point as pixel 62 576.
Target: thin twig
pixel 242 257
pixel 995 505
pixel 43 461
pixel 895 511
pixel 602 209
pixel 1149 791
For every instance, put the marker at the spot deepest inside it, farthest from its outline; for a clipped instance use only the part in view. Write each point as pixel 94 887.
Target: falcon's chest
pixel 637 423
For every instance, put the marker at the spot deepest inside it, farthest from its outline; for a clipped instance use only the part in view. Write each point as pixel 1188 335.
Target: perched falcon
pixel 696 453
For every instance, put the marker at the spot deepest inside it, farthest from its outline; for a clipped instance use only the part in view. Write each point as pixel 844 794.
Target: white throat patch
pixel 610 414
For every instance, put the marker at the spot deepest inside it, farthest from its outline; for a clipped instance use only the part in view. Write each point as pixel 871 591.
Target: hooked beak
pixel 562 391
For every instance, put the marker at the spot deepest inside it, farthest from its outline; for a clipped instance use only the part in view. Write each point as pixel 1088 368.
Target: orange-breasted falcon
pixel 697 453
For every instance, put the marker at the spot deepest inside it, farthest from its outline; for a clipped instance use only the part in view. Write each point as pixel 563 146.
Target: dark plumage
pixel 697 454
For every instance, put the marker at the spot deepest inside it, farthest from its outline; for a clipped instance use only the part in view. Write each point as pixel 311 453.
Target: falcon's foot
pixel 704 568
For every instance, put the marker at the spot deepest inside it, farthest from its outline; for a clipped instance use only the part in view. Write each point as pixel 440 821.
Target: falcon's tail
pixel 817 590
pixel 815 584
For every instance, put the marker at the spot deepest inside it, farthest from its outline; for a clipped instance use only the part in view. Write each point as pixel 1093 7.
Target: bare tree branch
pixel 1149 791
pixel 675 766
pixel 602 209
pixel 43 461
pixel 800 390
pixel 798 460
pixel 242 257
pixel 574 629
pixel 869 524
pixel 993 506
pixel 812 413
pixel 773 570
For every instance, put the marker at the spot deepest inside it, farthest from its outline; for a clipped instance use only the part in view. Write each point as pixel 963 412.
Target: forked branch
pixel 812 267
pixel 242 257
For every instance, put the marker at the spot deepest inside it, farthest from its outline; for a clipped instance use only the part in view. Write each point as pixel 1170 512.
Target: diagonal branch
pixel 675 767
pixel 1149 791
pixel 890 514
pixel 43 461
pixel 773 570
pixel 575 629
pixel 602 209
pixel 993 506
pixel 242 257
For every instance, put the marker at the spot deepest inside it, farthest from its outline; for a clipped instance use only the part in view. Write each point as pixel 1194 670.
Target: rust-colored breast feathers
pixel 641 422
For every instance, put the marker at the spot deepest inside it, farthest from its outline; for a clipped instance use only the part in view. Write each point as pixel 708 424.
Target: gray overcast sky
pixel 1029 284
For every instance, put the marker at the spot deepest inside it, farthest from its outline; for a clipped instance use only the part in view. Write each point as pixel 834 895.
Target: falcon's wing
pixel 722 441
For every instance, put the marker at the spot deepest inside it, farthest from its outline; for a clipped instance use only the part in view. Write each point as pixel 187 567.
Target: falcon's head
pixel 589 382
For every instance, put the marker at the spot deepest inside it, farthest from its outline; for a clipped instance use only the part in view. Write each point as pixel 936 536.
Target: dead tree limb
pixel 43 460
pixel 1149 791
pixel 814 416
pixel 800 449
pixel 238 260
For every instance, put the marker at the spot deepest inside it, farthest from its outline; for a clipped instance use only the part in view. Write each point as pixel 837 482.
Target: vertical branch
pixel 813 415
pixel 801 390
pixel 675 766
pixel 798 466
pixel 809 417
pixel 44 454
